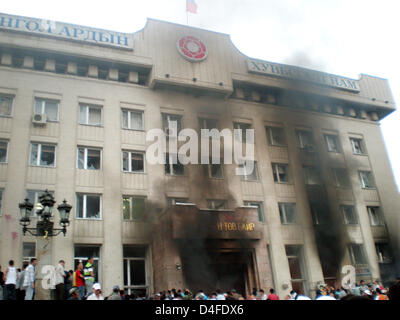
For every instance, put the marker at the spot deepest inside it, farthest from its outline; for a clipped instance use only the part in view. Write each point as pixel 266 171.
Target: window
pixel 1 200
pixel 47 107
pixel 296 267
pixel 28 251
pixel 90 115
pixel 259 209
pixel 281 172
pixel 172 168
pixel 135 270
pixel 215 170
pixel 33 196
pixel 209 124
pixel 383 252
pixel 6 103
pixel 43 155
pixel 312 176
pixel 243 126
pixel 319 214
pixel 83 252
pixel 357 256
pixel 173 201
pixel 249 176
pixel 366 179
pixel 132 119
pixel 305 140
pixel 349 215
pixel 340 178
pixel 132 162
pixel 88 206
pixel 332 143
pixel 89 159
pixel 358 146
pixel 171 122
pixel 133 208
pixel 287 212
pixel 276 136
pixel 375 216
pixel 3 151
pixel 216 204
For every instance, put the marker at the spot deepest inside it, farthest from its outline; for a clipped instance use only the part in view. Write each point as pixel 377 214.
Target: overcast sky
pixel 343 37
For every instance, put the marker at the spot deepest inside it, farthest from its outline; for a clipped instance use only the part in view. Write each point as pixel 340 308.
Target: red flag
pixel 191 6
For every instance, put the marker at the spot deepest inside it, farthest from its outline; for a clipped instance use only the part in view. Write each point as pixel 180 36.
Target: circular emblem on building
pixel 192 49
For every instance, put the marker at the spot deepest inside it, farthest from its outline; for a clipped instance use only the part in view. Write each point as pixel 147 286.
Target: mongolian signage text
pixel 297 73
pixel 66 31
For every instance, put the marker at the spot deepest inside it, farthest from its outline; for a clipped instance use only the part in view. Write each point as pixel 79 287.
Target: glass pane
pixel 3 151
pixel 125 124
pixel 38 106
pixel 5 106
pixel 134 252
pixel 125 161
pixel 331 142
pixel 178 169
pixel 31 195
pixel 52 110
pixel 79 206
pixel 138 208
pixel 47 156
pixel 92 206
pixel 277 136
pixel 126 273
pixel 86 252
pixel 126 208
pixel 358 254
pixel 216 170
pixel 294 266
pixel 81 158
pixel 282 173
pixel 138 272
pixel 82 114
pixel 94 116
pixel 28 249
pixel 34 154
pixel 137 162
pixel 93 159
pixel 290 213
pixel 136 120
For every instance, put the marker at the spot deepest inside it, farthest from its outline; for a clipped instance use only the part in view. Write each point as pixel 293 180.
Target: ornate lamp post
pixel 44 227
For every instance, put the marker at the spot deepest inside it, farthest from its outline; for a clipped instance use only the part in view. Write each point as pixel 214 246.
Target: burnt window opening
pixel 102 73
pixel 39 63
pixel 123 76
pixel 82 70
pixel 61 67
pixel 17 61
pixel 276 136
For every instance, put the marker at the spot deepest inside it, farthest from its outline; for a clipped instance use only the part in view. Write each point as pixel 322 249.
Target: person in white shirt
pixel 220 296
pixel 59 294
pixel 322 296
pixel 10 278
pixel 96 295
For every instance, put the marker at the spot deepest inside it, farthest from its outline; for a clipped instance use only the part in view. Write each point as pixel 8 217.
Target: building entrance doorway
pixel 210 270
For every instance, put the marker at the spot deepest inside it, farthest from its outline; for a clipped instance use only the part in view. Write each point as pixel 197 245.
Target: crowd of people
pixel 19 284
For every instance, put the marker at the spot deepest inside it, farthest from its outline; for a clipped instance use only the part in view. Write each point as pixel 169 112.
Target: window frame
pixel 345 216
pixel 88 106
pixel 275 173
pixel 260 208
pixel 381 222
pixel 239 125
pixel 352 255
pixel 270 136
pixel 26 258
pixel 300 142
pixel 336 179
pixel 12 97
pixel 84 205
pixel 1 201
pixel 361 142
pixel 209 170
pixel 336 140
pixel 36 196
pixel 130 152
pixel 212 202
pixel 171 166
pixel 380 256
pixel 7 144
pixel 43 107
pixel 255 169
pixel 372 180
pixel 39 150
pixel 306 175
pixel 129 111
pixel 166 123
pixel 171 201
pixel 85 160
pixel 282 213
pixel 132 199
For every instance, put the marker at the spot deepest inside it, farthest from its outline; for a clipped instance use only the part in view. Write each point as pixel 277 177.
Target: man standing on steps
pixel 89 275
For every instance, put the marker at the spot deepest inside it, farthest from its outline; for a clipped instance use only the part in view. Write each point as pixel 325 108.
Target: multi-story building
pixel 76 104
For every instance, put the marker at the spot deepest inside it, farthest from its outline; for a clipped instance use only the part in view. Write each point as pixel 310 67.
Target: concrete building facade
pixel 77 102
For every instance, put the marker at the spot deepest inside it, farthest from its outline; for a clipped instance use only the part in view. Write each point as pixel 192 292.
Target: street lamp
pixel 44 226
